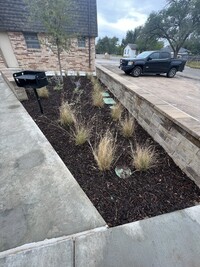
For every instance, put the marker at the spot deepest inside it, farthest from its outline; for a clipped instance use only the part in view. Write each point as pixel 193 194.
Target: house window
pixel 82 42
pixel 31 40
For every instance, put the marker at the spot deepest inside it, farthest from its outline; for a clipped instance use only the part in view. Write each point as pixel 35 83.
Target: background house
pixel 183 53
pixel 130 50
pixel 20 41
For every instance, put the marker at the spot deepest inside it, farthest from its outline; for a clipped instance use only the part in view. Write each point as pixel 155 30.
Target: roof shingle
pixel 14 16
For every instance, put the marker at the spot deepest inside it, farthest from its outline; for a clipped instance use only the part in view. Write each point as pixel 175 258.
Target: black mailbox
pixel 31 79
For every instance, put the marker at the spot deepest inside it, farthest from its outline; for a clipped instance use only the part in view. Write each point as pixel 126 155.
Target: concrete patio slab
pixel 39 198
pixel 170 240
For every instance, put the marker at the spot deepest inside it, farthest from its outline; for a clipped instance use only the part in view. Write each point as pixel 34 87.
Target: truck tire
pixel 136 72
pixel 127 72
pixel 171 73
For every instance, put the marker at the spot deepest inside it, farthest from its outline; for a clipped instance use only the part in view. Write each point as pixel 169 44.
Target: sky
pixel 116 17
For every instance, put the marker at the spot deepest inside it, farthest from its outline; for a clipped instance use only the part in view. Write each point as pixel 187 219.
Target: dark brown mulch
pixel 162 189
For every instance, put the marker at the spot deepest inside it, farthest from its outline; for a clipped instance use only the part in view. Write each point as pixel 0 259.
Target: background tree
pixel 107 45
pixel 142 40
pixel 193 43
pixel 56 19
pixel 131 36
pixel 175 23
pixel 146 42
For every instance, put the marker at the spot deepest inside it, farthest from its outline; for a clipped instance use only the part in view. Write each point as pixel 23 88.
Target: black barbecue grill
pixel 31 80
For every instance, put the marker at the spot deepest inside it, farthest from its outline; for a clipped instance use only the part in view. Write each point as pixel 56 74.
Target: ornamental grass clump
pixel 97 95
pixel 81 134
pixel 144 158
pixel 58 86
pixel 43 92
pixel 104 153
pixel 127 127
pixel 92 79
pixel 67 116
pixel 116 112
pixel 89 76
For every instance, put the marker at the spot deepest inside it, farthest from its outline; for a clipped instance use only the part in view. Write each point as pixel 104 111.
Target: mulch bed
pixel 162 189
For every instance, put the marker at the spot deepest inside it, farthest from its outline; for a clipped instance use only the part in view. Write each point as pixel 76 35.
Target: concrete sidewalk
pixel 47 220
pixel 190 73
pixel 170 240
pixel 39 198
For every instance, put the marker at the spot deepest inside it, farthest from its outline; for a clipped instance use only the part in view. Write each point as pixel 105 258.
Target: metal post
pixel 38 100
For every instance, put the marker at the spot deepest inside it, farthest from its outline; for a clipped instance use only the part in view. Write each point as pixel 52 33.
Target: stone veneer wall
pixel 76 59
pixel 174 130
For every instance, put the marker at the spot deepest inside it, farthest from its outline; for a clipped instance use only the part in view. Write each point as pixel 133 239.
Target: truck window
pixel 164 55
pixel 154 55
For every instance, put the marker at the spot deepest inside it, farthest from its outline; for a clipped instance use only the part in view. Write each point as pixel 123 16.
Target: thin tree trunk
pixel 62 95
pixel 59 62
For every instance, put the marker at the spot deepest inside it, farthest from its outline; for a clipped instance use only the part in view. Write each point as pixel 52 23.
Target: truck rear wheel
pixel 136 72
pixel 171 73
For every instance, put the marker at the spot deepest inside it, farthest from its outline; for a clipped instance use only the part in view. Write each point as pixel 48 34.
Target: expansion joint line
pixel 74 253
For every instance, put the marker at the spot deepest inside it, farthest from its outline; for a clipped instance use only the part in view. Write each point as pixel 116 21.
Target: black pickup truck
pixel 156 62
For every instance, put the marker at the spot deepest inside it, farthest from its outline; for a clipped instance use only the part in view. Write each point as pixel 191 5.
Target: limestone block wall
pixel 175 131
pixel 76 58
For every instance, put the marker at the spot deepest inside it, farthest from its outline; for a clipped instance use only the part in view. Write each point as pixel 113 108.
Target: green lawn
pixel 193 64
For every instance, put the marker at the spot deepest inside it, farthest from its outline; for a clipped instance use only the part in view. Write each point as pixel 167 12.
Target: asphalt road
pixel 181 92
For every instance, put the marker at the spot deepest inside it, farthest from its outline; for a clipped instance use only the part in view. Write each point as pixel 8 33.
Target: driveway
pixel 180 92
pixel 114 60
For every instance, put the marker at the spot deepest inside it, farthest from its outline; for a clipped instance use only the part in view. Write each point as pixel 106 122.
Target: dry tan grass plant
pixel 43 92
pixel 97 86
pixel 104 153
pixel 116 112
pixel 128 127
pixel 93 79
pixel 97 99
pixel 144 158
pixel 89 75
pixel 58 86
pixel 97 95
pixel 67 116
pixel 81 134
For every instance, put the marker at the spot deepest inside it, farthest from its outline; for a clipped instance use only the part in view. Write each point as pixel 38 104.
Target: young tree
pixel 55 17
pixel 175 23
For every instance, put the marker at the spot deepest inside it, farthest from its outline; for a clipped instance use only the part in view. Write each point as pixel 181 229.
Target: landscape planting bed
pixel 163 188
